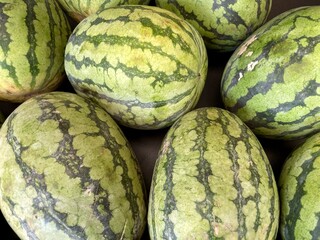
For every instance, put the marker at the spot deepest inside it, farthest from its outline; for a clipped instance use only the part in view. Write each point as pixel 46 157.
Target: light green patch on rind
pixel 271 81
pixel 78 9
pixel 32 51
pixel 222 24
pixel 160 76
pixel 82 181
pixel 299 191
pixel 212 179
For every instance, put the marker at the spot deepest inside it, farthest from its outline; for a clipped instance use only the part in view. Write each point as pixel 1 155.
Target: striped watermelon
pixel 33 38
pixel 79 9
pixel 299 188
pixel 272 81
pixel 222 24
pixel 68 172
pixel 143 64
pixel 212 180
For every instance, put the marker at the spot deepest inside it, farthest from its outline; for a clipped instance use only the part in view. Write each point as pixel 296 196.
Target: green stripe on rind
pixel 79 9
pixel 73 195
pixel 162 53
pixel 262 83
pixel 212 179
pixel 223 25
pixel 299 191
pixel 34 36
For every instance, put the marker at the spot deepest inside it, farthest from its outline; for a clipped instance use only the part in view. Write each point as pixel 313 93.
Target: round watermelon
pixel 142 64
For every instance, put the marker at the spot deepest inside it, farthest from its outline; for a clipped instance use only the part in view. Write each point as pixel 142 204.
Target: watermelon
pixel 68 172
pixel 144 65
pixel 212 180
pixel 34 34
pixel 299 189
pixel 79 9
pixel 224 25
pixel 272 81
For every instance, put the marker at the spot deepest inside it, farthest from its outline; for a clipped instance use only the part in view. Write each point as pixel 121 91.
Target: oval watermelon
pixel 34 34
pixel 212 180
pixel 79 9
pixel 272 81
pixel 299 188
pixel 224 25
pixel 142 64
pixel 68 172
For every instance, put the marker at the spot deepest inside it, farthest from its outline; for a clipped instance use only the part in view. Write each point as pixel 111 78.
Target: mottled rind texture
pixel 212 180
pixel 68 172
pixel 143 64
pixel 299 188
pixel 272 81
pixel 33 38
pixel 79 9
pixel 223 24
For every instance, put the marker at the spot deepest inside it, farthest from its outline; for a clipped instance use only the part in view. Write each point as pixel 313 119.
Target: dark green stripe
pixel 52 42
pixel 32 41
pixel 315 233
pixel 5 42
pixel 205 207
pixel 4 35
pixel 169 201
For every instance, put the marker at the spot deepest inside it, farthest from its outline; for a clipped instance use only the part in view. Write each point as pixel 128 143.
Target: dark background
pixel 147 143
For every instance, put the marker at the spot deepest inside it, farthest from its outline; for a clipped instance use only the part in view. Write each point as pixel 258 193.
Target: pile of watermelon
pixel 141 119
